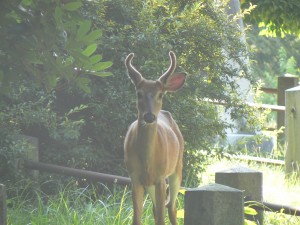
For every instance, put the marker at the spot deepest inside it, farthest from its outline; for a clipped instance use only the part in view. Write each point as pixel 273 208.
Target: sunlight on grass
pixel 277 188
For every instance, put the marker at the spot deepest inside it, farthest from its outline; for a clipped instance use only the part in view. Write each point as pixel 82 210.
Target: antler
pixel 135 75
pixel 171 68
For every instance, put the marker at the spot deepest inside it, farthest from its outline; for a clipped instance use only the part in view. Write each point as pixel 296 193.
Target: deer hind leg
pixel 137 198
pixel 174 186
pixel 160 199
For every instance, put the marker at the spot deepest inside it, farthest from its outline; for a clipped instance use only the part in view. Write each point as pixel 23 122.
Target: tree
pixel 48 42
pixel 276 16
pixel 87 129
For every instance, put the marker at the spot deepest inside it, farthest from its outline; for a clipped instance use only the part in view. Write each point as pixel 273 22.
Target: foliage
pixel 272 57
pixel 202 37
pixel 48 42
pixel 269 56
pixel 85 129
pixel 276 16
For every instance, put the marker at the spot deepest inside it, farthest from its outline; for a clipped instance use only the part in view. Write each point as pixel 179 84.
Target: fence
pixel 223 202
pixel 288 109
pixel 288 95
pixel 214 204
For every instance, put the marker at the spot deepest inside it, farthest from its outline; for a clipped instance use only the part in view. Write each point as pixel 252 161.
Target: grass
pixel 72 206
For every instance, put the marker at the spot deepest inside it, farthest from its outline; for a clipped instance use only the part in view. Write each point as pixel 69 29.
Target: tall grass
pixel 71 207
pixel 88 206
pixel 78 206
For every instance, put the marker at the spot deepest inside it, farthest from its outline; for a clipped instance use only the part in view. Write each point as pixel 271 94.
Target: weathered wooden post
pixel 283 83
pixel 292 131
pixel 245 179
pixel 3 220
pixel 214 204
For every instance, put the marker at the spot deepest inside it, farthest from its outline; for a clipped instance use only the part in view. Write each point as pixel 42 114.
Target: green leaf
pixel 51 81
pixel 180 214
pixel 72 6
pixel 77 109
pixel 80 57
pixel 100 74
pixel 101 66
pixel 83 83
pixel 95 59
pixel 57 15
pixel 249 211
pixel 93 36
pixel 84 27
pixel 182 191
pixel 90 50
pixel 248 222
pixel 26 2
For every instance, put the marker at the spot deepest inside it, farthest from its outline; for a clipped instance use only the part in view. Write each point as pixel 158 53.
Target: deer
pixel 153 146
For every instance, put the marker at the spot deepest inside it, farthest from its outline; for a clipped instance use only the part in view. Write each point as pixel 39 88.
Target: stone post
pixel 214 204
pixel 245 179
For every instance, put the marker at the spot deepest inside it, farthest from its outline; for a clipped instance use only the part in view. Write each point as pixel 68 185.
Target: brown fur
pixel 154 150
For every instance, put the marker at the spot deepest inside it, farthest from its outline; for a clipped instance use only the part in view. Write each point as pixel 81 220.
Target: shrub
pixel 85 129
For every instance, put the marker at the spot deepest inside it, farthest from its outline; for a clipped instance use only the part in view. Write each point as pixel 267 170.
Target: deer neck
pixel 147 138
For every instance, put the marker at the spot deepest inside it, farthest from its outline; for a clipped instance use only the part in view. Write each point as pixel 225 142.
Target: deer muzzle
pixel 149 117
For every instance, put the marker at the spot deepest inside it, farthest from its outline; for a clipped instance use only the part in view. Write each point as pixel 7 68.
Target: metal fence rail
pixel 95 176
pixel 271 207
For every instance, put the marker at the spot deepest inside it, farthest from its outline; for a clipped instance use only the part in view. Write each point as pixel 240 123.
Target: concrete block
pixel 214 204
pixel 247 180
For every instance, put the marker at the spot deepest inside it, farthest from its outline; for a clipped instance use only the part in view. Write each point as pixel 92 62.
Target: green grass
pixel 77 207
pixel 72 206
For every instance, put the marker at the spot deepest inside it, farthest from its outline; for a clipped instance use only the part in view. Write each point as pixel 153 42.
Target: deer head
pixel 149 92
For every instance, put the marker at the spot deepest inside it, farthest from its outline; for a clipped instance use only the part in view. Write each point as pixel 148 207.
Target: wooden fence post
pixel 245 179
pixel 2 205
pixel 285 82
pixel 292 131
pixel 214 204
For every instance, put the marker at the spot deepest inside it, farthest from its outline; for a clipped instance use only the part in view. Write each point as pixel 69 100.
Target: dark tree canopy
pixel 279 17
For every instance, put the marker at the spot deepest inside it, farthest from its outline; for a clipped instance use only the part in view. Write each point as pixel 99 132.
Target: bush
pixel 86 129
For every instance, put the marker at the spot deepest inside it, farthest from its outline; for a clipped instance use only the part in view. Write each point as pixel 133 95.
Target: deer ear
pixel 174 82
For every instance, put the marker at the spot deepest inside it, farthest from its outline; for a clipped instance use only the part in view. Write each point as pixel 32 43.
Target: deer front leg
pixel 174 184
pixel 137 199
pixel 160 197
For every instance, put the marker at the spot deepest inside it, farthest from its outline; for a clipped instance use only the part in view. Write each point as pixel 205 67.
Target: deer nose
pixel 149 118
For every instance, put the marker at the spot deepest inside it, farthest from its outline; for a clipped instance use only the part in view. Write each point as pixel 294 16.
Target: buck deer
pixel 154 144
